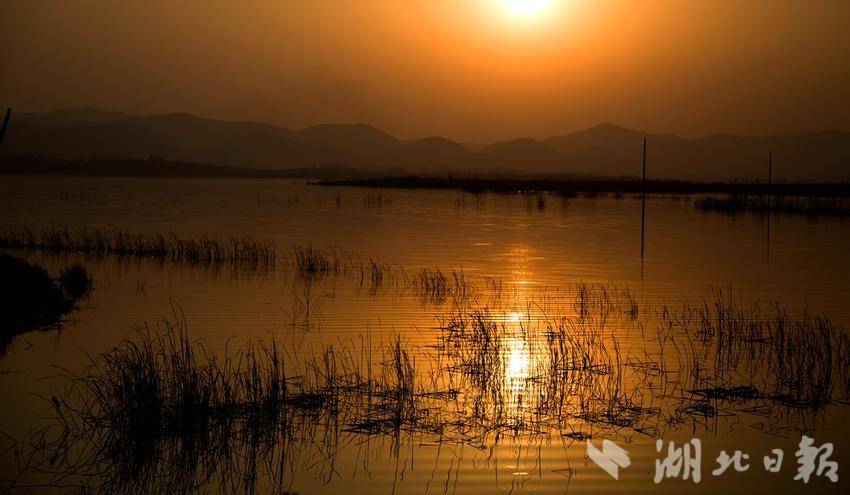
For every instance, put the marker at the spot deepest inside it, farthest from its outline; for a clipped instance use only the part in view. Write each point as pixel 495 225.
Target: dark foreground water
pixel 550 330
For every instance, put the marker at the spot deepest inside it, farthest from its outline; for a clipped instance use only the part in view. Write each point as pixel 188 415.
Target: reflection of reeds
pixel 161 412
pixel 563 370
pixel 375 275
pixel 313 261
pixel 745 351
pixel 245 251
pixel 431 285
pixel 436 287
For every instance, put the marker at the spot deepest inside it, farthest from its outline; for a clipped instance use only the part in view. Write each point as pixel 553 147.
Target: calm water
pixel 538 250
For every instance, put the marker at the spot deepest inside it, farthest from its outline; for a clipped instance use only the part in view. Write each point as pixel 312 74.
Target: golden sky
pixel 470 70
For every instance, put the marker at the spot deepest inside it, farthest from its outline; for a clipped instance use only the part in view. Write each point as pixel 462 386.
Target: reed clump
pixel 745 351
pixel 313 261
pixel 241 250
pixel 435 286
pixel 160 411
pixel 584 361
pixel 375 275
pixel 543 367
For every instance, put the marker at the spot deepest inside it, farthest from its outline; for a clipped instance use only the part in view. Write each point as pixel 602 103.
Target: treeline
pixel 578 185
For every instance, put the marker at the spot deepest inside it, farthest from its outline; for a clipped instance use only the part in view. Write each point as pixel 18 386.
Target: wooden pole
pixel 643 201
pixel 5 125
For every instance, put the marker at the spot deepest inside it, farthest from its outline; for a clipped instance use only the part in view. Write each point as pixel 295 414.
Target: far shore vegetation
pixel 343 175
pixel 730 197
pixel 598 185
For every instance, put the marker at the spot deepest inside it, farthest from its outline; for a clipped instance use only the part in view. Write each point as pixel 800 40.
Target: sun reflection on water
pixel 518 361
pixel 518 355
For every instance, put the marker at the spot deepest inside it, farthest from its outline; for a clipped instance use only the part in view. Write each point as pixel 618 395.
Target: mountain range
pixel 604 150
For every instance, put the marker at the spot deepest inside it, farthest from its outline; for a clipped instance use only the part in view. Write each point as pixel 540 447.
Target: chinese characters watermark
pixel 685 461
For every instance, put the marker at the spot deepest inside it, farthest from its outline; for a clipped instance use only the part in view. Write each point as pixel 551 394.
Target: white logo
pixel 611 458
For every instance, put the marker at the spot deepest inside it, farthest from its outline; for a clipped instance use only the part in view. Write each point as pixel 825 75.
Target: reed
pixel 242 251
pixel 799 360
pixel 436 287
pixel 160 412
pixel 312 261
pixel 555 367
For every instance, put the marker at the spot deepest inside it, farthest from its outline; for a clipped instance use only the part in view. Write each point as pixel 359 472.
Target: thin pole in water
pixel 769 181
pixel 770 169
pixel 643 203
pixel 769 199
pixel 5 124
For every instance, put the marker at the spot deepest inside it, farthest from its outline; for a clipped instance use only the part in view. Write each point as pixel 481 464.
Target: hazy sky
pixel 470 70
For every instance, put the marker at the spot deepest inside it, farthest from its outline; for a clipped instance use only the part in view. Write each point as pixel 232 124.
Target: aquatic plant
pixel 313 261
pixel 160 412
pixel 240 251
pixel 436 287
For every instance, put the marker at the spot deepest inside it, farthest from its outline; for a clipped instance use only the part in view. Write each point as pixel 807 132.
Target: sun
pixel 526 8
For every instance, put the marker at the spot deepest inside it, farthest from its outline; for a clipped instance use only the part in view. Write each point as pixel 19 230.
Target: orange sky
pixel 469 70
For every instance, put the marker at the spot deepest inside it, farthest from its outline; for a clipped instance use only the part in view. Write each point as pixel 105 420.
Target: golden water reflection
pixel 518 354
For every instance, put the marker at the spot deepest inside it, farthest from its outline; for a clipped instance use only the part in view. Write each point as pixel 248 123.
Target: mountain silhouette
pixel 815 156
pixel 70 116
pixel 603 150
pixel 351 138
pixel 173 136
pixel 525 154
pixel 430 154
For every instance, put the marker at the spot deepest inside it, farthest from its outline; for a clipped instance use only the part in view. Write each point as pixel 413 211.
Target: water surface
pixel 537 248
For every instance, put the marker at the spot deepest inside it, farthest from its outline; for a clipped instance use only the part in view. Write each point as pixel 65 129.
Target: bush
pixel 30 299
pixel 28 296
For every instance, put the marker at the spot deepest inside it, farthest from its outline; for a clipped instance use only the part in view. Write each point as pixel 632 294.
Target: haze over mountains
pixel 604 150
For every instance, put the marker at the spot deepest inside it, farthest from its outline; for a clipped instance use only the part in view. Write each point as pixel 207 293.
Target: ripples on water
pixel 532 370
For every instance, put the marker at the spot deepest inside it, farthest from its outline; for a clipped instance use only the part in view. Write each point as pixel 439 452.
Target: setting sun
pixel 526 7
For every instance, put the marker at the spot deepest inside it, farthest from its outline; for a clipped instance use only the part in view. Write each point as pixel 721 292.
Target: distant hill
pixel 356 139
pixel 525 154
pixel 180 137
pixel 613 150
pixel 604 150
pixel 71 116
pixel 430 154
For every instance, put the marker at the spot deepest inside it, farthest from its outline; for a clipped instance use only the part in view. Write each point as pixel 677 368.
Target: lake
pixel 493 334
